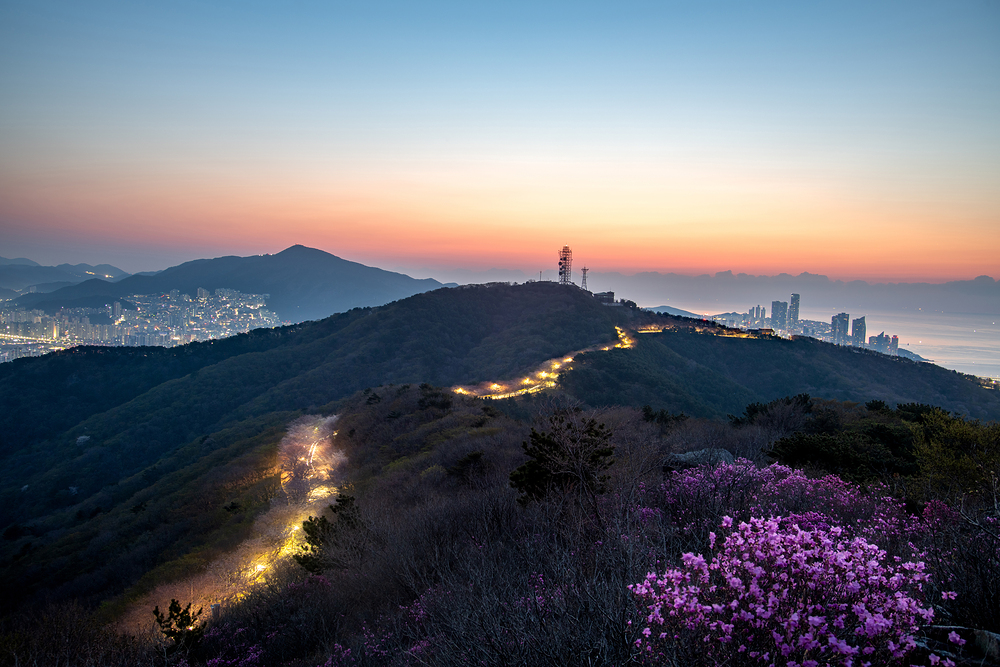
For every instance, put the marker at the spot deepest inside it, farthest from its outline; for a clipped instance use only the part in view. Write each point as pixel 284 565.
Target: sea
pixel 965 342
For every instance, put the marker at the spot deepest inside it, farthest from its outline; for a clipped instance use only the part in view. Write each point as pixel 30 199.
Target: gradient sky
pixel 854 139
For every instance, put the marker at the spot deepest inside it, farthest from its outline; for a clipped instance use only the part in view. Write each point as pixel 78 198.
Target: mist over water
pixel 965 342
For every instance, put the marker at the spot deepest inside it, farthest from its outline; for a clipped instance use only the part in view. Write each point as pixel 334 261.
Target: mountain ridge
pixel 89 430
pixel 19 275
pixel 303 283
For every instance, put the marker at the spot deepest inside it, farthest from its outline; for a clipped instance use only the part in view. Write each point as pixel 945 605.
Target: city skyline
pixel 853 141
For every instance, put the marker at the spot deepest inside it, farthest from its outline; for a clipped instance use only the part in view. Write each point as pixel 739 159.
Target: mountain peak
pixel 299 249
pixel 302 283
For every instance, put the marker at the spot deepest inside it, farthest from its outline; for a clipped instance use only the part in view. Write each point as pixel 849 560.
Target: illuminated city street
pixel 165 320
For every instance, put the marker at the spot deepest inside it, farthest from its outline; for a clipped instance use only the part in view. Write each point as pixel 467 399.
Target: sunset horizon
pixel 857 142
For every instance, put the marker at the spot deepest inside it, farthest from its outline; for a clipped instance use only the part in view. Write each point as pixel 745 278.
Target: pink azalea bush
pixel 695 499
pixel 775 593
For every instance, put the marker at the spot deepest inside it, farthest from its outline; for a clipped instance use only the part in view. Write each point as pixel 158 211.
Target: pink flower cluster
pixel 777 594
pixel 741 488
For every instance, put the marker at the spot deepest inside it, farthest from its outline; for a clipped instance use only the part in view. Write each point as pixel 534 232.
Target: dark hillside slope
pixel 711 376
pixel 304 283
pixel 53 487
pixel 120 460
pixel 135 404
pixel 43 396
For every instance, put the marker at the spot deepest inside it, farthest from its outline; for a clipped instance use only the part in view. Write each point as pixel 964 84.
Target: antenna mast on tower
pixel 583 284
pixel 565 266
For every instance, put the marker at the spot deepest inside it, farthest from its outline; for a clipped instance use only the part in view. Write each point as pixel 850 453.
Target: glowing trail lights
pixel 623 340
pixel 307 467
pixel 544 377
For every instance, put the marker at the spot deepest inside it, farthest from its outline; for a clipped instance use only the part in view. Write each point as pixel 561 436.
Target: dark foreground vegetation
pixel 535 533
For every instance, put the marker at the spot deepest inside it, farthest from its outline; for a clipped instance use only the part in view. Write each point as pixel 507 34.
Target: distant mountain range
pixel 19 261
pixel 303 283
pixel 19 274
pixel 728 291
pixel 675 311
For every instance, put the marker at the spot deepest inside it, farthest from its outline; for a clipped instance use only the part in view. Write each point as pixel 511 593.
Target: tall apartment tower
pixel 779 315
pixel 880 343
pixel 894 346
pixel 565 266
pixel 793 313
pixel 858 332
pixel 838 328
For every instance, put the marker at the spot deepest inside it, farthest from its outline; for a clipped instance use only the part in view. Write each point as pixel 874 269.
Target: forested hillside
pixel 129 465
pixel 87 429
pixel 712 376
pixel 534 533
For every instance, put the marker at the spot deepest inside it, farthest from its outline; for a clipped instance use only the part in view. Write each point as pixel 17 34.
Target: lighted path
pixel 543 377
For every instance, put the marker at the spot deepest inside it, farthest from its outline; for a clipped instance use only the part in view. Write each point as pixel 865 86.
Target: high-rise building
pixel 565 266
pixel 203 293
pixel 779 315
pixel 117 311
pixel 894 346
pixel 838 328
pixel 756 316
pixel 880 343
pixel 858 332
pixel 793 313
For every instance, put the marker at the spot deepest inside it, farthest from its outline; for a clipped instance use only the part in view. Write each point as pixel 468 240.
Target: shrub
pixel 696 499
pixel 777 594
pixel 572 455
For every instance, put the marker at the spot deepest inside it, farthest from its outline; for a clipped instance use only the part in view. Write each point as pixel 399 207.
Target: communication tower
pixel 583 283
pixel 565 266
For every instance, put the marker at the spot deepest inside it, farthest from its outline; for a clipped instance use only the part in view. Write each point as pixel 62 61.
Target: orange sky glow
pixel 852 140
pixel 614 222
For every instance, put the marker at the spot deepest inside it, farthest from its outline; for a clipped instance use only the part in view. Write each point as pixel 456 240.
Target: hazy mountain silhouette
pixel 19 261
pixel 669 310
pixel 728 291
pixel 303 283
pixel 19 274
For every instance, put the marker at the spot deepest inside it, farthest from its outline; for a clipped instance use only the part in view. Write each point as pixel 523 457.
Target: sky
pixel 853 139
